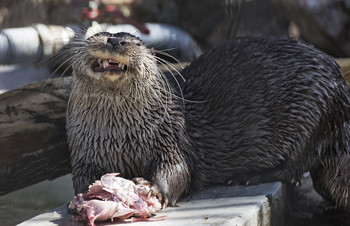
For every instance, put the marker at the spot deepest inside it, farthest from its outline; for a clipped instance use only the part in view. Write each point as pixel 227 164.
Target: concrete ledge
pixel 225 205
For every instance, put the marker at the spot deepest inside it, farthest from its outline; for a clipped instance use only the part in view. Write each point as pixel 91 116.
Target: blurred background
pixel 33 31
pixel 323 23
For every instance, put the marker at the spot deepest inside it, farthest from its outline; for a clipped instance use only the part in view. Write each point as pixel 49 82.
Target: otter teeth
pixel 105 64
pixel 122 66
pixel 110 63
pixel 102 63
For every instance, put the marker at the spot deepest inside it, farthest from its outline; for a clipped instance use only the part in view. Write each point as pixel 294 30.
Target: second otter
pixel 251 110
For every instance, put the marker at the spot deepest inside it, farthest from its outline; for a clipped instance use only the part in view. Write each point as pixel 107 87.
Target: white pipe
pixel 31 45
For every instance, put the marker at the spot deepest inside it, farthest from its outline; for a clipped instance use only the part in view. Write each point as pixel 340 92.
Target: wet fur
pixel 132 126
pixel 256 110
pixel 277 108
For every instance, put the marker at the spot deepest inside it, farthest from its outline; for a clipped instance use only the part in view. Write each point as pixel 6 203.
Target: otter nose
pixel 116 41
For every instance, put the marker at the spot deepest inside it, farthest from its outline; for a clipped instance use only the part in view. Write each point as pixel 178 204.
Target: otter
pixel 251 110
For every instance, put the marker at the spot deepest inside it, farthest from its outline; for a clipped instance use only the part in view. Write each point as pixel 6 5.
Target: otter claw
pixel 163 206
pixel 140 180
pixel 149 194
pixel 154 190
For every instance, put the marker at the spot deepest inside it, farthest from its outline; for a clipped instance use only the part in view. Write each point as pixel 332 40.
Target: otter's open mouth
pixel 102 65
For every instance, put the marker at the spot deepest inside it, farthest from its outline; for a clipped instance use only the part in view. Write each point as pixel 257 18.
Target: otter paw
pixel 154 190
pixel 141 181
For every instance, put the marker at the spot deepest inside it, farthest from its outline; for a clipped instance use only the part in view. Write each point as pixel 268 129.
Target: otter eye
pixel 102 34
pixel 137 42
pixel 98 35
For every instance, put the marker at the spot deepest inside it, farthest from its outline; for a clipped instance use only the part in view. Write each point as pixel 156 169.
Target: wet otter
pixel 251 110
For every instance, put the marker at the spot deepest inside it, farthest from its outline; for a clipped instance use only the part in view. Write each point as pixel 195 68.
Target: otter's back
pixel 263 104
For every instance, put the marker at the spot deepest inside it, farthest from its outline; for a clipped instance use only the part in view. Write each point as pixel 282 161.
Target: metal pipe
pixel 31 45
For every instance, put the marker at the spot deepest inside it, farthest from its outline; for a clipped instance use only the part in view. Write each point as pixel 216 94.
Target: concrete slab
pixel 225 205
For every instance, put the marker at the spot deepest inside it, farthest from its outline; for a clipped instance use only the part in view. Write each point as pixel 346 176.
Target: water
pixel 26 203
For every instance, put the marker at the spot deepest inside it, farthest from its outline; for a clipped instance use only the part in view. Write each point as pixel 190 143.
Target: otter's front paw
pixel 155 190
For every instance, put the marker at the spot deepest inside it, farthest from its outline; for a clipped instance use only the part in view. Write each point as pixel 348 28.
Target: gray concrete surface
pixel 33 200
pixel 226 205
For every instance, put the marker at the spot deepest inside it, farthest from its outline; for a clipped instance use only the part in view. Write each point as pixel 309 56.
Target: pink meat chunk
pixel 115 197
pixel 98 210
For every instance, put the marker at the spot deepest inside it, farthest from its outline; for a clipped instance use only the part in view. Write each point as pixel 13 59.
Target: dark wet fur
pixel 276 108
pixel 256 110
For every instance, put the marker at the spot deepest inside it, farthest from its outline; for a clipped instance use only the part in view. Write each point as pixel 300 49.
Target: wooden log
pixel 32 134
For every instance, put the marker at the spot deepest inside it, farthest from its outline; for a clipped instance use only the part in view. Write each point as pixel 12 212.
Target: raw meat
pixel 115 197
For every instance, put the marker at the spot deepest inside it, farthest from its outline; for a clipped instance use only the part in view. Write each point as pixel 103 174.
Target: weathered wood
pixel 32 139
